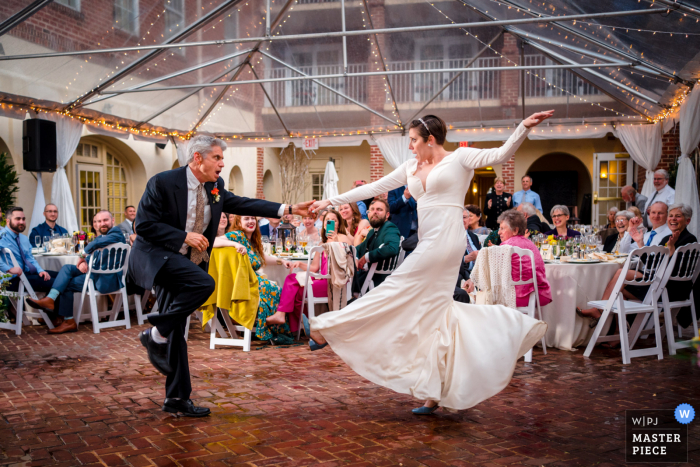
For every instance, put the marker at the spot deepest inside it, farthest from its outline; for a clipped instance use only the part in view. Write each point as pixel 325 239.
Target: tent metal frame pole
pixel 596 74
pixel 267 18
pixel 597 42
pixel 255 49
pixel 269 99
pixel 381 58
pixel 204 19
pixel 187 96
pixel 304 76
pixel 359 32
pixel 23 14
pixel 679 7
pixel 315 78
pixel 454 78
pixel 176 74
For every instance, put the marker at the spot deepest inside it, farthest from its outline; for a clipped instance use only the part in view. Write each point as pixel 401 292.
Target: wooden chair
pixel 648 264
pixel 25 290
pixel 112 259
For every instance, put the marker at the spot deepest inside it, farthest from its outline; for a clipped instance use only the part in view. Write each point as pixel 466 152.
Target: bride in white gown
pixel 408 334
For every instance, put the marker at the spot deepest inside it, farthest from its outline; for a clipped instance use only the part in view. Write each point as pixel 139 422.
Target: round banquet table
pixel 573 285
pixel 54 263
pixel 278 273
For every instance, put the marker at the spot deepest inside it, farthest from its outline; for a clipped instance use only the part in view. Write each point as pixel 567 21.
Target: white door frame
pixel 601 199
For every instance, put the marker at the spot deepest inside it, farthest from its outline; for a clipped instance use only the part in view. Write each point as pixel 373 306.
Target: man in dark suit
pixel 533 221
pixel 176 223
pixel 404 211
pixel 71 278
pixel 465 268
pixel 381 245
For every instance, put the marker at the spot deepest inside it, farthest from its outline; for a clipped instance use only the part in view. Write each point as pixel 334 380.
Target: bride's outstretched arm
pixel 387 183
pixel 472 158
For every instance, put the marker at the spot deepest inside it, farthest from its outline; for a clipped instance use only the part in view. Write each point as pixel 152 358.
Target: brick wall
pixel 376 163
pixel 670 151
pixel 508 173
pixel 260 173
pixel 376 90
pixel 510 80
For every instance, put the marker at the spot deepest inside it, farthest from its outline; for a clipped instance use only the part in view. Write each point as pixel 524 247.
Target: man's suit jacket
pixel 640 201
pixel 162 216
pixel 126 227
pixel 105 283
pixel 403 213
pixel 534 224
pixel 381 246
pixel 464 272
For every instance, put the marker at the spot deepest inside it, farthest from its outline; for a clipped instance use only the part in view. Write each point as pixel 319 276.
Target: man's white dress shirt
pixel 192 185
pixel 666 194
pixel 661 232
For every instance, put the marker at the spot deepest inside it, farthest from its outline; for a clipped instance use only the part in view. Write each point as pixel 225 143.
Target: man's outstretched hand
pixel 302 209
pixel 318 205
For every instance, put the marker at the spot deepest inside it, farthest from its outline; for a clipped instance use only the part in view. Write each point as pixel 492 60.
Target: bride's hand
pixel 318 205
pixel 537 118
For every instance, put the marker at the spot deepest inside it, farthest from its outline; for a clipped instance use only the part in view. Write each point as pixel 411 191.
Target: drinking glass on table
pixel 47 243
pixel 278 245
pixel 37 241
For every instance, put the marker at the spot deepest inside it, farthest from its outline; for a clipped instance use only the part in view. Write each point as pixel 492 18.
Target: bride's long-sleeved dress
pixel 408 334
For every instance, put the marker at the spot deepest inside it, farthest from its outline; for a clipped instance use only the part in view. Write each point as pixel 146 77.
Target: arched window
pixel 101 182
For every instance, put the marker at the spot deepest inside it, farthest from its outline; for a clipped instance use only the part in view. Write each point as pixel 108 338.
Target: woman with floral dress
pixel 246 238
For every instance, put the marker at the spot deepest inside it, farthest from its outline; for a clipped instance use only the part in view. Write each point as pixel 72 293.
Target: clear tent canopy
pixel 271 70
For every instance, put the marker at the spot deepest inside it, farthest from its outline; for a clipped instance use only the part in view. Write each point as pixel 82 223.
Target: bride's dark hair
pixel 431 125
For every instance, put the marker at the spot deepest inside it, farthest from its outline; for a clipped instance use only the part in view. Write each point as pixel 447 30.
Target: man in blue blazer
pixel 176 223
pixel 71 278
pixel 404 211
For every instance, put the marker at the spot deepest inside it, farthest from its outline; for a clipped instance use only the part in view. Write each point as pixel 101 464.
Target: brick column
pixel 510 80
pixel 376 90
pixel 376 163
pixel 260 173
pixel 508 170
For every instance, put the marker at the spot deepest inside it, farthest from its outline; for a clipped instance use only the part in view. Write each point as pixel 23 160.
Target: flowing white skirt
pixel 410 336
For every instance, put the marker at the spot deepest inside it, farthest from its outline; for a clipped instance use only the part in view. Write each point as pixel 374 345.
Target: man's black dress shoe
pixel 157 353
pixel 186 408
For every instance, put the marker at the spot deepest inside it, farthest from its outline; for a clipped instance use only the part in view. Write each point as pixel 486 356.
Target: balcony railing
pixel 419 87
pixel 316 1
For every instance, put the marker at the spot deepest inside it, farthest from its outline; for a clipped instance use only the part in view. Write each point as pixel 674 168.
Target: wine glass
pixel 278 245
pixel 47 243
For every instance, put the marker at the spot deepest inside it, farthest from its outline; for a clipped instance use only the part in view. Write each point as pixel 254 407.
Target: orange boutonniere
pixel 215 194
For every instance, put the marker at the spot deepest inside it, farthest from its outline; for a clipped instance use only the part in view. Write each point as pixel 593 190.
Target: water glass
pixel 47 244
pixel 278 245
pixel 37 241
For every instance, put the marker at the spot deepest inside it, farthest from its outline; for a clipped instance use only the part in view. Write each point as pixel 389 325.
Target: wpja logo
pixel 657 435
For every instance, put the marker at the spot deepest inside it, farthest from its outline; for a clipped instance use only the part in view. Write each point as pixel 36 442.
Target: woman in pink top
pixel 512 231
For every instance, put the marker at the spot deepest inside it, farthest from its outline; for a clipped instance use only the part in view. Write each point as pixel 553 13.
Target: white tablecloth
pixel 277 273
pixel 54 263
pixel 573 285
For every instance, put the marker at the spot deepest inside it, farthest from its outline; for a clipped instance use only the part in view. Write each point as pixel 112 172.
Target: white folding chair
pixel 25 290
pixel 393 264
pixel 112 259
pixel 532 309
pixel 140 304
pixel 648 264
pixel 682 267
pixel 233 341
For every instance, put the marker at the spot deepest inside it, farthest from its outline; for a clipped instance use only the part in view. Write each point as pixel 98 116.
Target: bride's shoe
pixel 425 410
pixel 307 330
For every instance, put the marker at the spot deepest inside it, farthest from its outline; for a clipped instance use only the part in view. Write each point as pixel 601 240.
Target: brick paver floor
pixel 94 399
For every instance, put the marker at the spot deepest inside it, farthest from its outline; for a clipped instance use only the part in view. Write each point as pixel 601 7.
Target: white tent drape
pixel 330 181
pixel 181 147
pixel 643 142
pixel 39 205
pixel 686 182
pixel 395 149
pixel 68 132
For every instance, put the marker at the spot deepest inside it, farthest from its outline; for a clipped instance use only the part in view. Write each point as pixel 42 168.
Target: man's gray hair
pixel 662 172
pixel 686 210
pixel 659 202
pixel 528 208
pixel 629 189
pixel 626 214
pixel 560 207
pixel 203 145
pixel 613 209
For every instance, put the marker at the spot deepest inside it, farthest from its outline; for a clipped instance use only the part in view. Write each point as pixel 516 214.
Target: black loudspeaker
pixel 39 145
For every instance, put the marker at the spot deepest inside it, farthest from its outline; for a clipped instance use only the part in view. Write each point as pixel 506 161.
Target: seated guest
pixel 497 202
pixel 658 214
pixel 381 245
pixel 18 244
pixel 511 230
pixel 467 264
pixel 611 218
pixel 309 229
pixel 71 278
pixel 632 198
pixel 619 243
pixel 293 291
pixel 353 220
pixel 560 216
pixel 47 228
pixel 127 226
pixel 246 238
pixel 476 222
pixel 533 220
pixel 636 212
pixel 404 211
pixel 270 229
